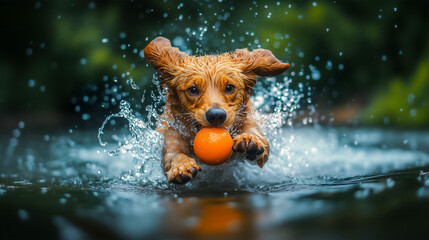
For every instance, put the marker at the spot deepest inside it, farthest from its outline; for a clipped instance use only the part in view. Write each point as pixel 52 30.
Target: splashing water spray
pixel 276 104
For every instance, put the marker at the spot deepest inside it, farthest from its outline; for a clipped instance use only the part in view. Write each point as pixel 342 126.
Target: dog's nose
pixel 216 115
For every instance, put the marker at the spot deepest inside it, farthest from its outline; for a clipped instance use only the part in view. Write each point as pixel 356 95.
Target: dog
pixel 209 91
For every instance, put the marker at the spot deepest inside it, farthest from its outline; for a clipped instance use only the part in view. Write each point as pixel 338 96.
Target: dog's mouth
pixel 205 123
pixel 218 125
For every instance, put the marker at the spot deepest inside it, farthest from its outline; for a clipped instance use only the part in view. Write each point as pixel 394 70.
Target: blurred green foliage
pixel 373 54
pixel 404 102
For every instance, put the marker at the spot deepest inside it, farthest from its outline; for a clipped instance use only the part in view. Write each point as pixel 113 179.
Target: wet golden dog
pixel 210 90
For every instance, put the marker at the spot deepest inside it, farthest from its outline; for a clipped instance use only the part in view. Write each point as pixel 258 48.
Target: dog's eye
pixel 193 91
pixel 230 88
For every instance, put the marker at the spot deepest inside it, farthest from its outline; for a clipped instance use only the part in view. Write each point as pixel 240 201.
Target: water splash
pixel 144 144
pixel 276 107
pixel 298 156
pixel 307 156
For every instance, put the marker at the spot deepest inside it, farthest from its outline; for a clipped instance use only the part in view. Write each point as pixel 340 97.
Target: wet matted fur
pixel 215 84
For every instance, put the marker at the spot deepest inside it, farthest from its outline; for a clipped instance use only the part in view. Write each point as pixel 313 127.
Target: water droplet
pixel 86 116
pixel 328 65
pixel 29 51
pixel 179 41
pixel 16 133
pixel 124 105
pixel 386 121
pixel 315 74
pixel 91 5
pixel 411 98
pixel 104 40
pixel 31 83
pixel 133 84
pixel 23 214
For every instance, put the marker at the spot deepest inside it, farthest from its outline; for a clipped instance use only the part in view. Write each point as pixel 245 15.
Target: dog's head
pixel 213 89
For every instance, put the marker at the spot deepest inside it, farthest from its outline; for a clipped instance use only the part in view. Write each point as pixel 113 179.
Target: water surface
pixel 320 183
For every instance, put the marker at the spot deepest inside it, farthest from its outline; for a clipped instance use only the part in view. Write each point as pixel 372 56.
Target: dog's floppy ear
pixel 259 63
pixel 163 58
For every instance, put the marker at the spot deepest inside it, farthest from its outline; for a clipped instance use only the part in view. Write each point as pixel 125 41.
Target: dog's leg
pixel 178 167
pixel 252 143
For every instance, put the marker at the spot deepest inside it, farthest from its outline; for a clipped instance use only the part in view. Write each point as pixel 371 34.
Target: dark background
pixel 56 71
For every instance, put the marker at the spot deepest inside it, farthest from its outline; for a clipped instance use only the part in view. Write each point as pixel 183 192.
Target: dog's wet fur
pixel 209 91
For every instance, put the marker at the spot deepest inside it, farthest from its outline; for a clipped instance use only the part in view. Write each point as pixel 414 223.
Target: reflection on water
pixel 330 183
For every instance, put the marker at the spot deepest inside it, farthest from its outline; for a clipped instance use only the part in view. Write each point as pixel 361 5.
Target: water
pixel 322 183
pixel 319 183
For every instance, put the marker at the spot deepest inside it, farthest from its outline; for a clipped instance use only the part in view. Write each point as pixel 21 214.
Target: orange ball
pixel 213 146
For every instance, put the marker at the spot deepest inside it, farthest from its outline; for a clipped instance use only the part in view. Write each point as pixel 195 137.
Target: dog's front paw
pixel 252 146
pixel 182 170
